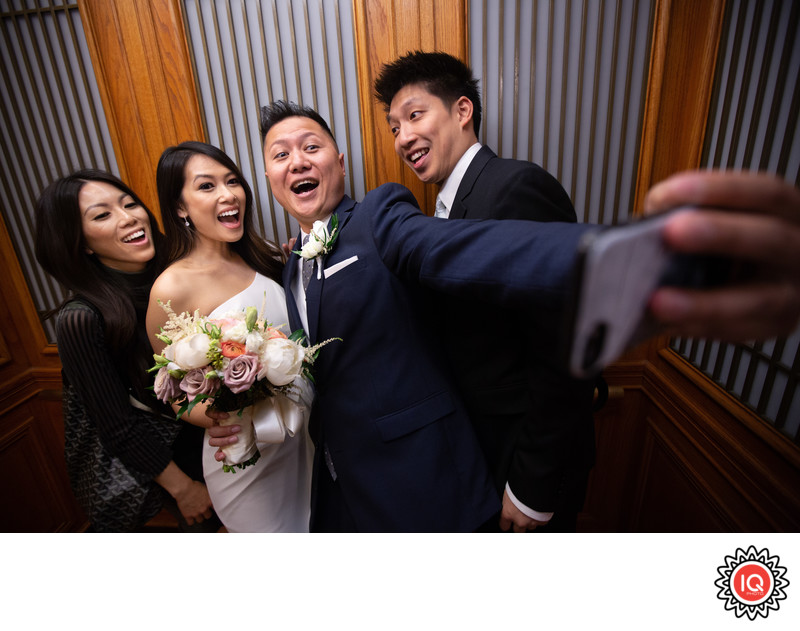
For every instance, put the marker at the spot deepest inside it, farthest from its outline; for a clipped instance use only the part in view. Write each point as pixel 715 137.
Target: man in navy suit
pixel 395 448
pixel 533 420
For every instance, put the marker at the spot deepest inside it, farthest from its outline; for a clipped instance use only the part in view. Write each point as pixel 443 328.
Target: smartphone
pixel 617 270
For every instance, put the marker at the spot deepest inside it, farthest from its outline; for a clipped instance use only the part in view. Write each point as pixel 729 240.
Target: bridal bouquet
pixel 237 362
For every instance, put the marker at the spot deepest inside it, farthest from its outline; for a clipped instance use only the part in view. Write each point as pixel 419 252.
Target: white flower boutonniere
pixel 320 242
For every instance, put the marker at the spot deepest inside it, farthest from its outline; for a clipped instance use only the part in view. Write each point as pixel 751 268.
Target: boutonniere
pixel 320 242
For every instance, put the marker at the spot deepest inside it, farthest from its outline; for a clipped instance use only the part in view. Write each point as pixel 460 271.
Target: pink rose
pixel 225 323
pixel 241 373
pixel 166 387
pixel 273 333
pixel 195 383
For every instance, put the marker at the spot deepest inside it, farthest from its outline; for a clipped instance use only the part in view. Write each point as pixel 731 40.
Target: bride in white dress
pixel 218 264
pixel 263 497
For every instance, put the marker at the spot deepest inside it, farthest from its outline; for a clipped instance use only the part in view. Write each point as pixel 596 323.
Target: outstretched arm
pixel 763 233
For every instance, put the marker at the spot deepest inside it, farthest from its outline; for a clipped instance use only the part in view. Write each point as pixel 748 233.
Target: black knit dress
pixel 114 444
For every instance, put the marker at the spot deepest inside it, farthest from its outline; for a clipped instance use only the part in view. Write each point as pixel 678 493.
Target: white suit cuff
pixel 533 514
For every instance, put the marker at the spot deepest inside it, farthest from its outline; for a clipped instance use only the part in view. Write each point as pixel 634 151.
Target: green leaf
pixel 187 408
pixel 212 330
pixel 298 336
pixel 226 468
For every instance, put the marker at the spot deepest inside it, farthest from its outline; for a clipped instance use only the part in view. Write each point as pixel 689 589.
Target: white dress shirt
pixel 297 280
pixel 447 194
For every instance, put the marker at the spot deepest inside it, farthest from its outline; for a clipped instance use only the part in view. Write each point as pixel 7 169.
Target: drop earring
pixel 186 221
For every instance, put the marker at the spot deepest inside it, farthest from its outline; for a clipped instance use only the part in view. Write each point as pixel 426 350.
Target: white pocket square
pixel 330 271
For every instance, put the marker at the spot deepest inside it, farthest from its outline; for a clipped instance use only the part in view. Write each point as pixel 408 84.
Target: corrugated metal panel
pixel 248 53
pixel 563 86
pixel 753 125
pixel 51 121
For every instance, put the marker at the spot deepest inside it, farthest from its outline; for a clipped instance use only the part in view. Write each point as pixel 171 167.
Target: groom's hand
pixel 512 516
pixel 222 436
pixel 288 247
pixel 762 232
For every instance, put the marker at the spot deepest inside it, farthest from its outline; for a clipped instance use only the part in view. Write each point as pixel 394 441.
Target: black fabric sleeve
pixel 89 367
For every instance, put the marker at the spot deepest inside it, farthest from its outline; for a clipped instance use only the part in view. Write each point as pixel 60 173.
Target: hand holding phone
pixel 618 270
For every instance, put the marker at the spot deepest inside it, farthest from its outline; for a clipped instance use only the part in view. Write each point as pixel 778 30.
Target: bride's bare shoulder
pixel 178 283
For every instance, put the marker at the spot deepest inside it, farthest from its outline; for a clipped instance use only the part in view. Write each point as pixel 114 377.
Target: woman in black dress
pixel 126 454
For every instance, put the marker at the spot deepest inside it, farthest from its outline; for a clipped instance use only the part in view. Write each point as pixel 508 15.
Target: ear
pixel 341 163
pixel 89 252
pixel 182 212
pixel 464 111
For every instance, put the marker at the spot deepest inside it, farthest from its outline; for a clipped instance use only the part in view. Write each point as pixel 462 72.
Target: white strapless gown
pixel 274 494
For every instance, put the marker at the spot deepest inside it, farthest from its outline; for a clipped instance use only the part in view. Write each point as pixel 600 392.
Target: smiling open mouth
pixel 229 216
pixel 306 186
pixel 135 237
pixel 415 157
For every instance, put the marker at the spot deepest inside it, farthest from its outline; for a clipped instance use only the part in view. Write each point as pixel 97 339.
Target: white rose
pixel 320 231
pixel 236 333
pixel 254 343
pixel 281 361
pixel 311 249
pixel 191 352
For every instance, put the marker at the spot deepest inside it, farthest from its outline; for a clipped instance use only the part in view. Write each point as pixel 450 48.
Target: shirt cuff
pixel 533 514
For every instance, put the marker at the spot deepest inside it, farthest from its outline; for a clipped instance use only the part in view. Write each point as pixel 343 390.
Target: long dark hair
pixel 61 251
pixel 263 256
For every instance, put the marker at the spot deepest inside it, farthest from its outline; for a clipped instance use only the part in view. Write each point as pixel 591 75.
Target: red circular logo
pixel 751 583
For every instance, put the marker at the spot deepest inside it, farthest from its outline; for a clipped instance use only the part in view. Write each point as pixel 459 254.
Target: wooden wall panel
pixel 618 434
pixel 744 465
pixel 35 493
pixel 683 58
pixel 672 496
pixel 698 459
pixel 707 462
pixel 144 75
pixel 385 30
pixel 144 72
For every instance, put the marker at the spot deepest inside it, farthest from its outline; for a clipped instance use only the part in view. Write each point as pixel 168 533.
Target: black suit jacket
pixel 533 421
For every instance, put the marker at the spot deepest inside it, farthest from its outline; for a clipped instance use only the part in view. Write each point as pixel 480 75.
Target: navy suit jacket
pixel 533 420
pixel 404 451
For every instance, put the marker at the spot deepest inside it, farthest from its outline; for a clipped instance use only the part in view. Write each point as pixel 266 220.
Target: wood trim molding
pixel 385 30
pixel 141 60
pixel 23 339
pixel 731 406
pixel 752 457
pixel 692 469
pixel 679 89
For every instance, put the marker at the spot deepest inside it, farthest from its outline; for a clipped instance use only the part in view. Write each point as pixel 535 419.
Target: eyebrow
pixel 103 204
pixel 411 100
pixel 211 177
pixel 301 138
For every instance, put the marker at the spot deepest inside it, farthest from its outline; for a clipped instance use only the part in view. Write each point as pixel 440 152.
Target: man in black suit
pixel 533 421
